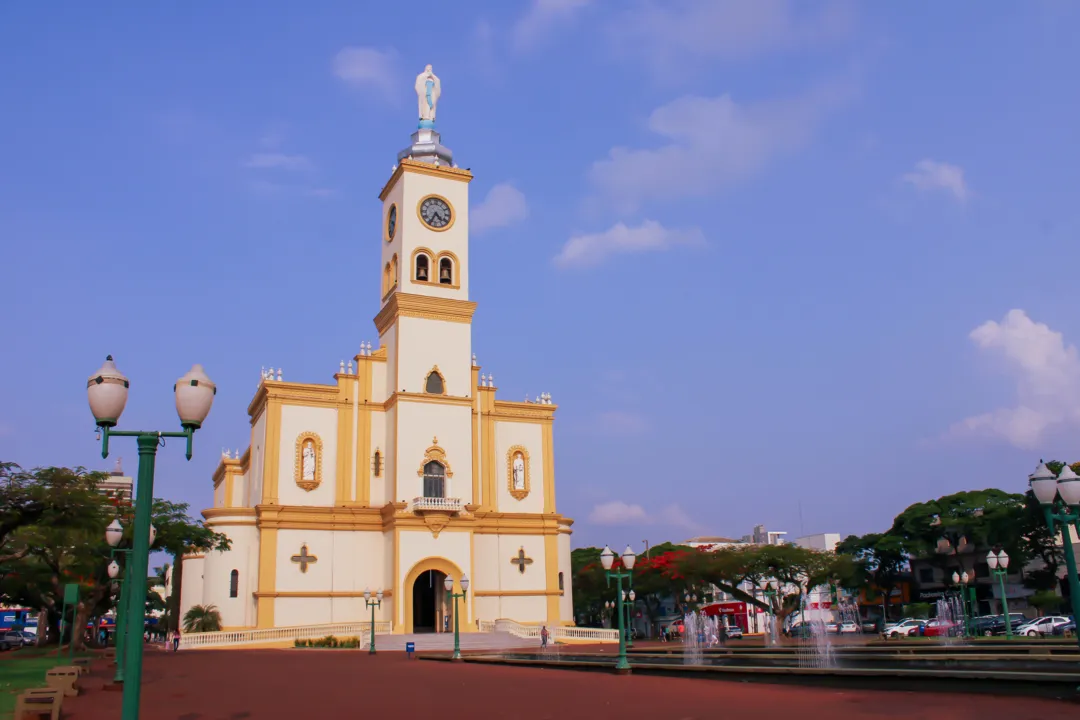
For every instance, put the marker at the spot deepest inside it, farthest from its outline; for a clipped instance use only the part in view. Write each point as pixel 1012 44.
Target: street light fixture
pixel 1060 500
pixel 999 568
pixel 449 585
pixel 607 560
pixel 107 392
pixel 376 603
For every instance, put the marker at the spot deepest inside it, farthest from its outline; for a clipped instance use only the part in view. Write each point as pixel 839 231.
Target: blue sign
pixel 410 647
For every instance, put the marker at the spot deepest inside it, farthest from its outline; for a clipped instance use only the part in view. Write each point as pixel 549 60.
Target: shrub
pixel 329 642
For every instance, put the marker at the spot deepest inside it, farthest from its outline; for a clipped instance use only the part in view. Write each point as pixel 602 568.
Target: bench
pixel 64 679
pixel 37 702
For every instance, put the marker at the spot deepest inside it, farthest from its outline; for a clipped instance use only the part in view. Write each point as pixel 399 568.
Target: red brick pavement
pixel 234 685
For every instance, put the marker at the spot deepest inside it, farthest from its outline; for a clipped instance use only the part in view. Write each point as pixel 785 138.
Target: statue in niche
pixel 307 471
pixel 519 472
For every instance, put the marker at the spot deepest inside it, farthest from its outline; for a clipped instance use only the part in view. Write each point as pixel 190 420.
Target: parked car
pixel 1042 626
pixel 909 627
pixel 871 626
pixel 29 638
pixel 941 628
pixel 1067 630
pixel 848 627
pixel 734 632
pixel 10 640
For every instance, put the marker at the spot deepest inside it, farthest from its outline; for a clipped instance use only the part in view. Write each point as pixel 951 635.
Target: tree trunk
pixel 173 603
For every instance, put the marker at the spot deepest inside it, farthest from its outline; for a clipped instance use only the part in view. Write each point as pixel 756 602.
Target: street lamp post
pixel 1060 500
pixel 966 601
pixel 770 594
pixel 107 391
pixel 607 559
pixel 999 568
pixel 113 535
pixel 376 603
pixel 449 585
pixel 631 597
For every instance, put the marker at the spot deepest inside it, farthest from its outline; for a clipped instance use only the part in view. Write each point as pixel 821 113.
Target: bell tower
pixel 425 321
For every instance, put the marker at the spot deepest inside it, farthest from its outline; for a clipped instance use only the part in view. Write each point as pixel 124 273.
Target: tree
pixel 881 563
pixel 202 618
pixel 66 542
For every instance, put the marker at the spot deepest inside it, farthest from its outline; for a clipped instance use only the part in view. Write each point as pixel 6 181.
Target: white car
pixel 1041 626
pixel 904 628
pixel 848 627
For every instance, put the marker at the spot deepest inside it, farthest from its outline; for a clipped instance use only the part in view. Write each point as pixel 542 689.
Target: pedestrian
pixel 723 634
pixel 543 636
pixel 176 640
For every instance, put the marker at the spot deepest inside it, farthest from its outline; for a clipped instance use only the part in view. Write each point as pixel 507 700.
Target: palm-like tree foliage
pixel 202 618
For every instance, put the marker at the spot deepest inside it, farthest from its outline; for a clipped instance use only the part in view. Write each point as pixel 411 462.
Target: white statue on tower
pixel 428 89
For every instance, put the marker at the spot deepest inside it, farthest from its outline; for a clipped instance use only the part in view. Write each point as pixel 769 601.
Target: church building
pixel 407 468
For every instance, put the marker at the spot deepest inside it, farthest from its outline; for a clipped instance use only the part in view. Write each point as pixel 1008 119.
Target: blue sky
pixel 800 264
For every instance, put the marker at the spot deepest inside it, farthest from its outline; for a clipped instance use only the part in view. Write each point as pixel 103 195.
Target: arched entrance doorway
pixel 424 606
pixel 429 602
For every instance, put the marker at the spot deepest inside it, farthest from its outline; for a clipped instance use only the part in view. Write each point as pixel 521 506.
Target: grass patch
pixel 24 669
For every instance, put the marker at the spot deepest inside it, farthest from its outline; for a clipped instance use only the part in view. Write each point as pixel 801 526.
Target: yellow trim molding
pixel 516 593
pixel 317 594
pixel 425 306
pixel 515 451
pixel 301 440
pixel 423 168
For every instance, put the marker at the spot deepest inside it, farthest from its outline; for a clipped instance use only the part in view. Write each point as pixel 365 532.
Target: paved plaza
pixel 230 685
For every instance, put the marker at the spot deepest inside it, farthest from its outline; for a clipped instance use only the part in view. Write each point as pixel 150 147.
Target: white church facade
pixel 404 470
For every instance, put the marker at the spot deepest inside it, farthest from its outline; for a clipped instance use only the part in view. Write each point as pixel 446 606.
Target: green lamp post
pixel 1060 500
pixel 967 601
pixel 628 602
pixel 372 604
pixel 113 534
pixel 607 559
pixel 448 583
pixel 107 391
pixel 999 568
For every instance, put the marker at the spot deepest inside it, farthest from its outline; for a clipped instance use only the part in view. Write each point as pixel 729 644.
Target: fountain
pixel 950 610
pixel 700 631
pixel 816 651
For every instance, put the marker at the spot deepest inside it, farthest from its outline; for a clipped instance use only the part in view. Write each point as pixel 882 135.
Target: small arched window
pixel 376 464
pixel 234 583
pixel 423 268
pixel 435 384
pixel 446 271
pixel 434 480
pixel 560 581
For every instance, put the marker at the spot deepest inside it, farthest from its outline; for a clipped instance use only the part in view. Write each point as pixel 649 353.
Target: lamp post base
pixel 623 670
pixel 457 658
pixel 114 686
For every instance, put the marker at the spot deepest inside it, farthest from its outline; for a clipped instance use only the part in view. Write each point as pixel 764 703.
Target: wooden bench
pixel 64 679
pixel 37 702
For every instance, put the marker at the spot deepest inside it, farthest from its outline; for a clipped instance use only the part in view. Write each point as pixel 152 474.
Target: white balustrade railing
pixel 557 633
pixel 436 503
pixel 235 638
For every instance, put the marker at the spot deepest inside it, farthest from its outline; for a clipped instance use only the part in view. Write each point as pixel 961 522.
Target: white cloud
pixel 711 143
pixel 617 512
pixel 1047 376
pixel 363 67
pixel 933 175
pixel 650 236
pixel 671 34
pixel 543 17
pixel 503 205
pixel 280 161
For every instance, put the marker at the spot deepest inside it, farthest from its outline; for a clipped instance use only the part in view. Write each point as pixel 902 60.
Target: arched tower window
pixel 446 271
pixel 560 581
pixel 423 268
pixel 434 480
pixel 435 384
pixel 376 464
pixel 234 583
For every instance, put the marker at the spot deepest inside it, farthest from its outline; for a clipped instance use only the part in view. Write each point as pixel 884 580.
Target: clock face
pixel 435 212
pixel 391 223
